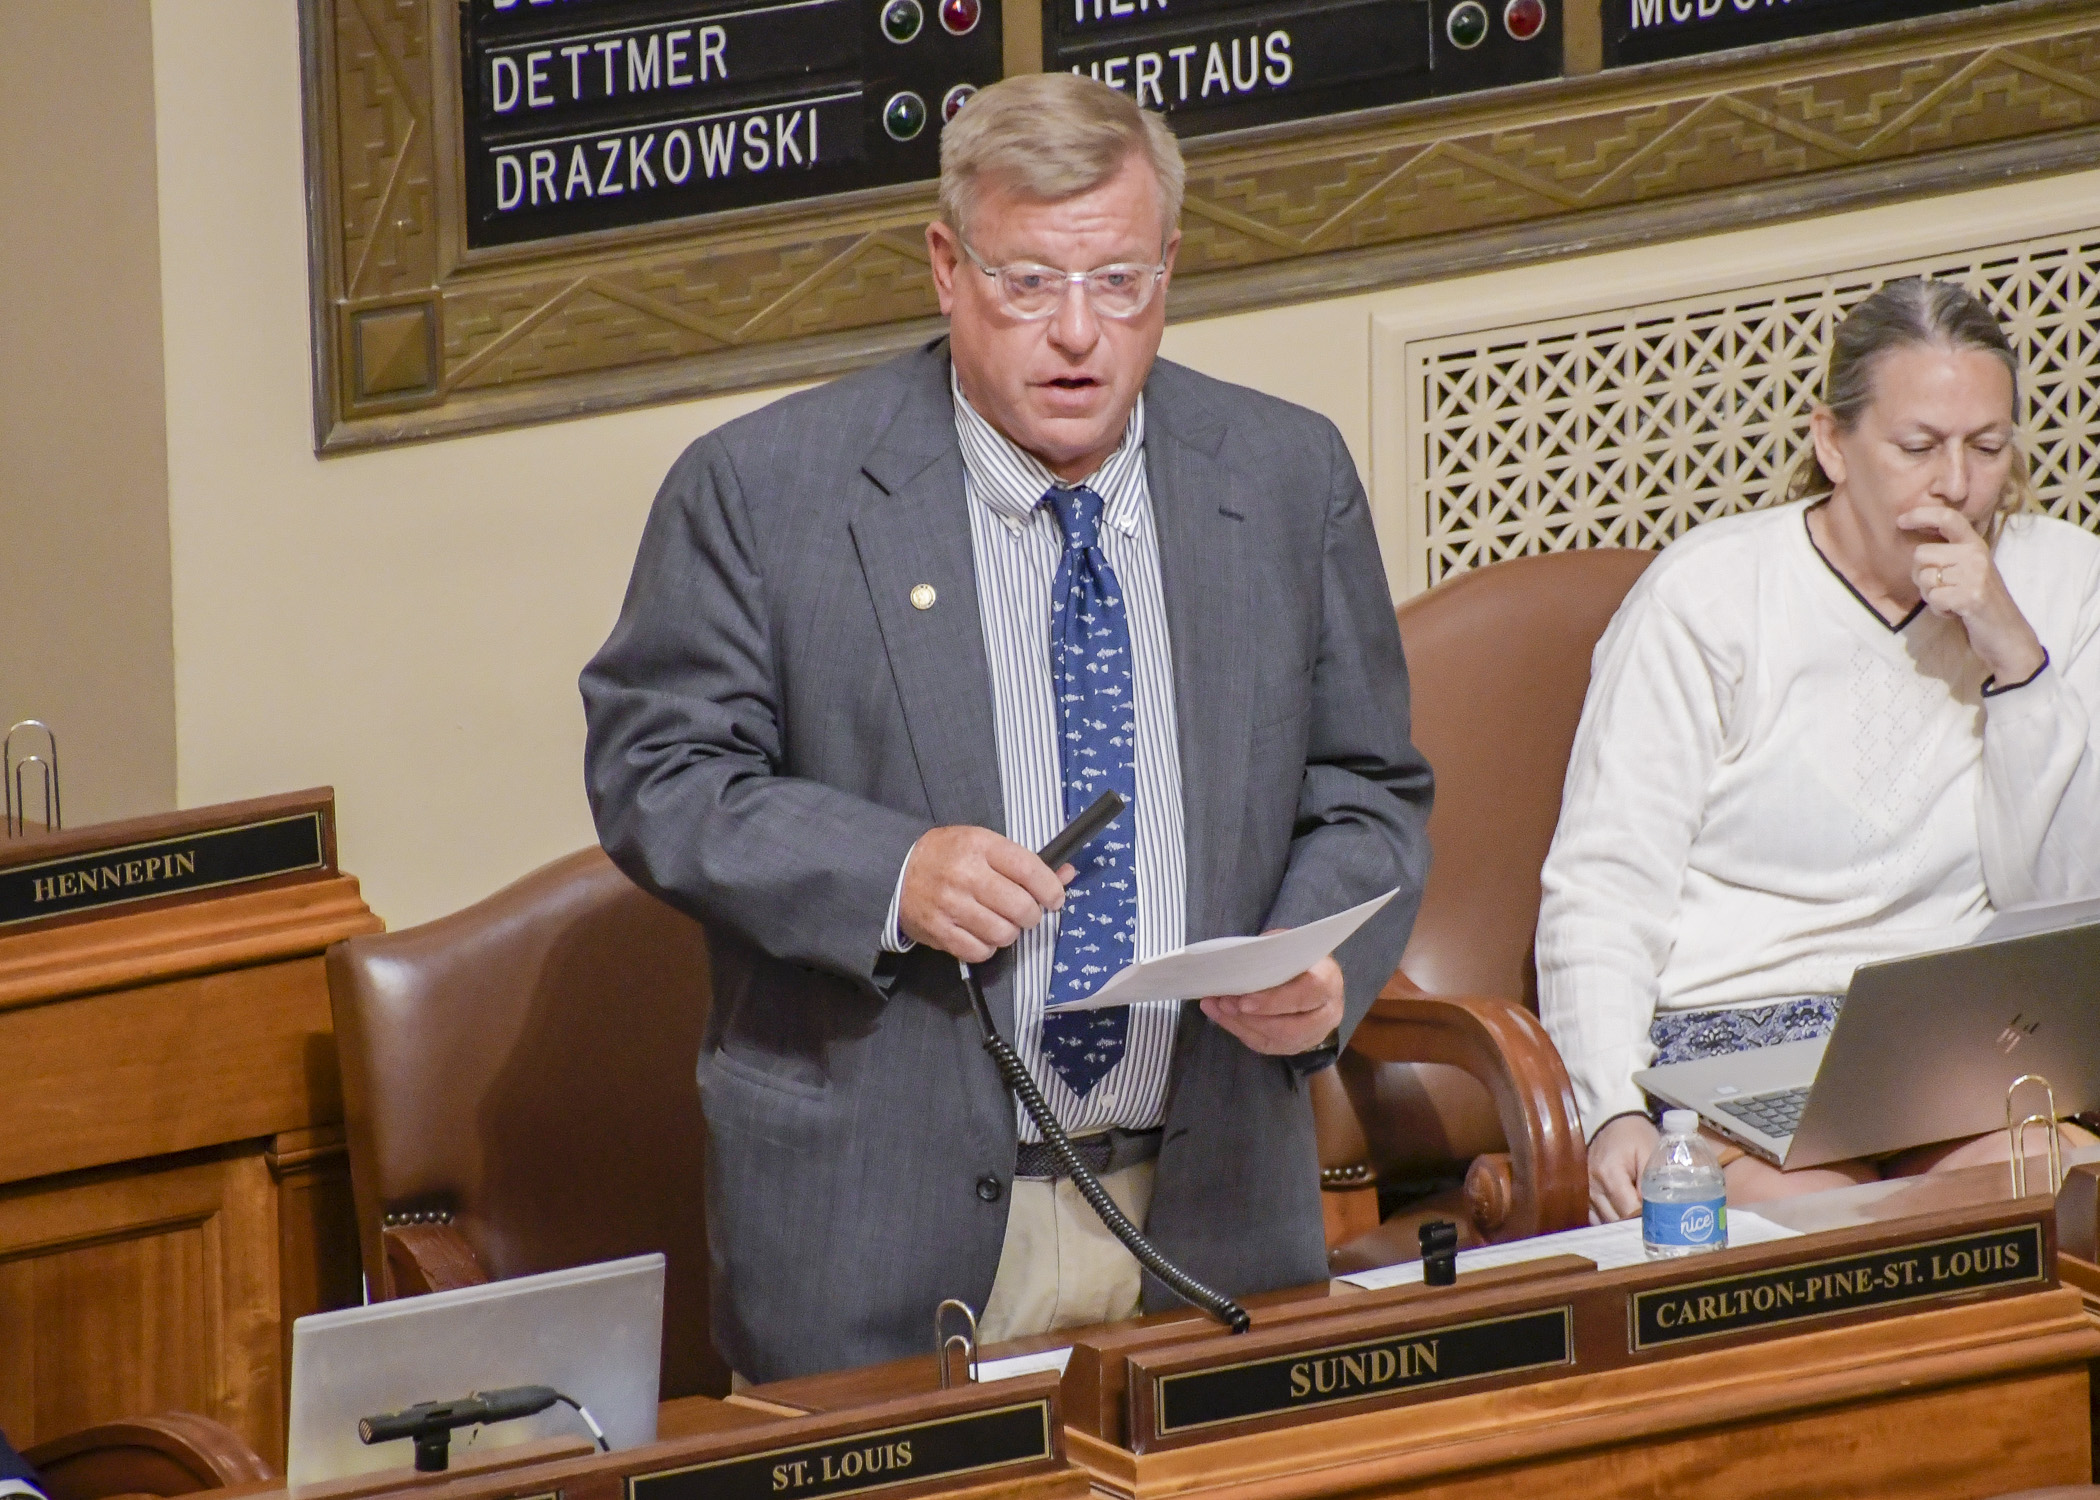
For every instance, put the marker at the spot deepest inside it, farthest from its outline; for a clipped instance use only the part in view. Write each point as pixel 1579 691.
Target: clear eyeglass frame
pixel 1032 292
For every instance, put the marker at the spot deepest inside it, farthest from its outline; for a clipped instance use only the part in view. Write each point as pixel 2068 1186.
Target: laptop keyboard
pixel 1776 1113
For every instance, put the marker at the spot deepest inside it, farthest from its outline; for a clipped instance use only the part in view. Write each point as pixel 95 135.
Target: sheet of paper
pixel 1024 1364
pixel 1609 1245
pixel 1231 966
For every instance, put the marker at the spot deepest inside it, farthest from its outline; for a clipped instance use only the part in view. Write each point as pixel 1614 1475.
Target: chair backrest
pixel 525 1066
pixel 1498 662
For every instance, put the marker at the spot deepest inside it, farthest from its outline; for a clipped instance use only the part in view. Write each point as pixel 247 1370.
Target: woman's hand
pixel 1956 576
pixel 1616 1158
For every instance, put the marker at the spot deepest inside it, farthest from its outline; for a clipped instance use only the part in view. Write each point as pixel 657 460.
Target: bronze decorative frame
pixel 416 337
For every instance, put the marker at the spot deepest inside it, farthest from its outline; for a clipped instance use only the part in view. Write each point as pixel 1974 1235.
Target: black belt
pixel 1110 1151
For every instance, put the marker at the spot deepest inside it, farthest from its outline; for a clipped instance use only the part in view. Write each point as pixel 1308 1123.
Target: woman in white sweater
pixel 1838 730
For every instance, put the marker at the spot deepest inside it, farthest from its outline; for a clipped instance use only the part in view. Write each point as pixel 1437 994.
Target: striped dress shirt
pixel 1016 546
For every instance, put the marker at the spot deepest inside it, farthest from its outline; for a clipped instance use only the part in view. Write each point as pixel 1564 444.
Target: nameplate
pixel 1643 31
pixel 175 865
pixel 1329 1375
pixel 861 1462
pixel 1981 1261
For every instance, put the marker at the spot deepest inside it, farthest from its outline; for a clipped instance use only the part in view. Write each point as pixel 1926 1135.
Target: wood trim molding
pixel 416 338
pixel 246 928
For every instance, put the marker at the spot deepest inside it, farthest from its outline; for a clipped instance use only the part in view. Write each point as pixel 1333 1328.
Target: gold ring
pixel 1937 575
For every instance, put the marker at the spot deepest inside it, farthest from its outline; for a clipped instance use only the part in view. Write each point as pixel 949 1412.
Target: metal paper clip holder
pixel 16 795
pixel 2016 1135
pixel 947 1343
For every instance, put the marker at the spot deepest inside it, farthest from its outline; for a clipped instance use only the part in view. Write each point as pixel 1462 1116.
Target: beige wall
pixel 407 625
pixel 84 625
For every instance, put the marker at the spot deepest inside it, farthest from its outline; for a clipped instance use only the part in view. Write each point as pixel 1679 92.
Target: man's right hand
pixel 1616 1158
pixel 970 892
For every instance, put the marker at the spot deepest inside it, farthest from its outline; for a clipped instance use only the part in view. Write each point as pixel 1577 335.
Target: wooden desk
pixel 1953 1401
pixel 702 1444
pixel 173 1189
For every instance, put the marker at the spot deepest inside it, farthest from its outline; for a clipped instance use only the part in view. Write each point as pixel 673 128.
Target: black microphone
pixel 1075 835
pixel 431 1423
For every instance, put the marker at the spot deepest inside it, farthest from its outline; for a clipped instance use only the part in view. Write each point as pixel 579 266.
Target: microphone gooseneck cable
pixel 1017 1077
pixel 1076 834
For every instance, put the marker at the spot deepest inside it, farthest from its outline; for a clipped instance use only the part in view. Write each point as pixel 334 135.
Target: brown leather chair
pixel 176 1453
pixel 518 1082
pixel 1452 1066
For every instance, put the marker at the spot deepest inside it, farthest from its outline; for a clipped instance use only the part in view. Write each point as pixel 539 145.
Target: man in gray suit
pixel 883 639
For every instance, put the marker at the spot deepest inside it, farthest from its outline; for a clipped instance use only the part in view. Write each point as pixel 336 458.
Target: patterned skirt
pixel 1688 1035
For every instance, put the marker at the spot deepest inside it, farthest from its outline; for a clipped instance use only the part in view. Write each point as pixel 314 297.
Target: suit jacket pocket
pixel 754 1115
pixel 747 1070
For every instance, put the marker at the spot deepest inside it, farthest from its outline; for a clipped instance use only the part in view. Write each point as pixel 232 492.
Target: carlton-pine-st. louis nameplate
pixel 1985 1260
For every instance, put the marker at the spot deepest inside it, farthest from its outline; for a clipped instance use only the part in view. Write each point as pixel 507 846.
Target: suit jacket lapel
pixel 912 527
pixel 1202 558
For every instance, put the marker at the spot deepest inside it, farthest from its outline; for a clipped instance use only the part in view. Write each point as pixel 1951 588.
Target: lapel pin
pixel 922 596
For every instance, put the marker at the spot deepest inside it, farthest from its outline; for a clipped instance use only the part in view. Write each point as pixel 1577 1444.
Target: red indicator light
pixel 955 99
pixel 959 17
pixel 1524 19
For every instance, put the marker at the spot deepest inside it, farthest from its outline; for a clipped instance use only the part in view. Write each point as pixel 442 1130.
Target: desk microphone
pixel 1076 835
pixel 431 1423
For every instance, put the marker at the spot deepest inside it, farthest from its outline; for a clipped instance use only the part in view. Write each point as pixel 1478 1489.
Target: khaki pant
pixel 1060 1267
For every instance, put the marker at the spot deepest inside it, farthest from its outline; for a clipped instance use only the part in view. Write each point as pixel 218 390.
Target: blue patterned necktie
pixel 1097 751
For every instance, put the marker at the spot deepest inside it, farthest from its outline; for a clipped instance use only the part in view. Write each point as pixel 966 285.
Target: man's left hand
pixel 1291 1018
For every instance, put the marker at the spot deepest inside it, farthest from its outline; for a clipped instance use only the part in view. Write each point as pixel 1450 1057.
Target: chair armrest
pixel 1543 1184
pixel 428 1258
pixel 176 1453
pixel 1348 1187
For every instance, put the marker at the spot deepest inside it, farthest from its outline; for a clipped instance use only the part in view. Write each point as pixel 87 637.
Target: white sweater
pixel 1771 786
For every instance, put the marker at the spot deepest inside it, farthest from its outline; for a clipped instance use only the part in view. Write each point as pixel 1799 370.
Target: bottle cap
pixel 1680 1122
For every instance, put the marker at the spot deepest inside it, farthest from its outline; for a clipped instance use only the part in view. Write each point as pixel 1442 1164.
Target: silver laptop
pixel 594 1333
pixel 1923 1050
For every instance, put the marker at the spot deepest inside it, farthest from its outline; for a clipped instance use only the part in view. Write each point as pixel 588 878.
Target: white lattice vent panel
pixel 1626 428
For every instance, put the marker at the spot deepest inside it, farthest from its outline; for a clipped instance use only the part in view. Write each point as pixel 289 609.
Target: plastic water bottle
pixel 1684 1198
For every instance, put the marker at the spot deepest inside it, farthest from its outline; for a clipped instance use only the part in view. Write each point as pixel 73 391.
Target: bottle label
pixel 1703 1223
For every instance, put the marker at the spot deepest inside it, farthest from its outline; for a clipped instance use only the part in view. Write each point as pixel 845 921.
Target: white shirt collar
pixel 1012 482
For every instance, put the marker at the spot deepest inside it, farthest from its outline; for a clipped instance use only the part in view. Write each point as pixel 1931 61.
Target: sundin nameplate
pixel 1309 1379
pixel 1879 1278
pixel 856 1464
pixel 175 865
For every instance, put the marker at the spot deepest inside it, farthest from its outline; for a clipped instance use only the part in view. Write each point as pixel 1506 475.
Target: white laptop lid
pixel 594 1333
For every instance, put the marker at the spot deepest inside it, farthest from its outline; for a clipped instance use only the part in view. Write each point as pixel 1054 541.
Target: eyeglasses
pixel 1033 292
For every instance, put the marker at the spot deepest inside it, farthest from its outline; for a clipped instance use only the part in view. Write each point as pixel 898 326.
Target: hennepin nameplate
pixel 175 865
pixel 1309 1378
pixel 859 1462
pixel 1814 1289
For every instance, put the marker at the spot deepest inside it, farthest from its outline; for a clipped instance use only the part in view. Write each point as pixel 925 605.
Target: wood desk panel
pixel 142 1291
pixel 173 1185
pixel 162 1068
pixel 1918 1405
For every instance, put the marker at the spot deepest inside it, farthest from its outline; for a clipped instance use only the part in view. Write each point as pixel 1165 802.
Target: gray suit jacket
pixel 772 725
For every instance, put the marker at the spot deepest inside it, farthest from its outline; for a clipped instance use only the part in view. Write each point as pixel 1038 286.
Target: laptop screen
pixel 593 1332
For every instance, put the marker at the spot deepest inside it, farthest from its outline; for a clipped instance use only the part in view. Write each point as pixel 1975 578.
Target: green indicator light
pixel 1468 25
pixel 901 20
pixel 904 116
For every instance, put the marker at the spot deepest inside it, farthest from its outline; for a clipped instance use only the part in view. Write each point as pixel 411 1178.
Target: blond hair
pixel 1052 136
pixel 1915 311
